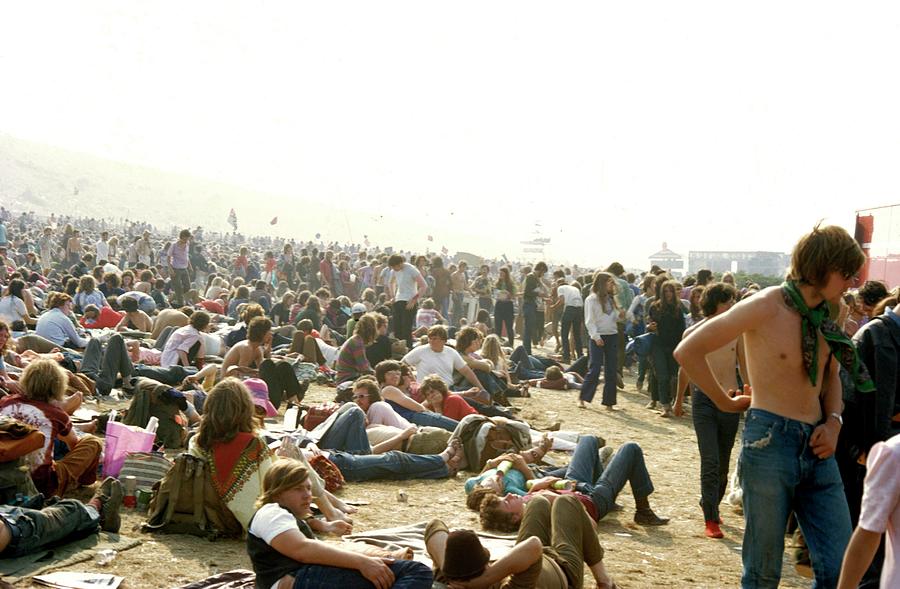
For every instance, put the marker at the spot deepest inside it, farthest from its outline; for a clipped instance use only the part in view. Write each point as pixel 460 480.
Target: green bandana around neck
pixel 815 321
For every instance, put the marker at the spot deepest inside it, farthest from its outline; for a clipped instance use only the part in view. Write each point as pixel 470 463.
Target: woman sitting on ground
pixel 468 344
pixel 389 375
pixel 13 309
pixel 439 399
pixel 352 362
pixel 88 294
pixel 285 553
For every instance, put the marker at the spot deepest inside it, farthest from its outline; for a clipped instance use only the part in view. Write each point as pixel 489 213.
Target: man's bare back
pixel 245 356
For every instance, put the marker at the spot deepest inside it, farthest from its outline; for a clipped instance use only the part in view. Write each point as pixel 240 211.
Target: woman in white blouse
pixel 600 315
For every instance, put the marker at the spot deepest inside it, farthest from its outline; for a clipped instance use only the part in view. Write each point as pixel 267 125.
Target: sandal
pixel 536 454
pixel 433 527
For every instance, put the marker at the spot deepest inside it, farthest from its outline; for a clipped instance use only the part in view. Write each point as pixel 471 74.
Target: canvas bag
pixel 185 502
pixel 147 467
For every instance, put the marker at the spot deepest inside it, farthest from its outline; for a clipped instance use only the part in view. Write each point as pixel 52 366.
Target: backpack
pixel 185 502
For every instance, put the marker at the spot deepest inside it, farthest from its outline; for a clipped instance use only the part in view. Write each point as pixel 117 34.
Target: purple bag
pixel 122 440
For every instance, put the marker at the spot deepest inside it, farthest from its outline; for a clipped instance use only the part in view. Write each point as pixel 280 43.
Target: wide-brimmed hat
pixel 464 556
pixel 259 392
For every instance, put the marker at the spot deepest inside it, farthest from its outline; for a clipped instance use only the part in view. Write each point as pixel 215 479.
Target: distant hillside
pixel 44 179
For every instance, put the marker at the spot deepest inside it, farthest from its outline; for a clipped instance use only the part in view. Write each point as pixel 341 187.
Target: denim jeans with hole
pixel 779 473
pixel 604 485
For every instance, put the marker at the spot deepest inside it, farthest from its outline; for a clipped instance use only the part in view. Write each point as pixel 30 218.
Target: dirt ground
pixel 677 555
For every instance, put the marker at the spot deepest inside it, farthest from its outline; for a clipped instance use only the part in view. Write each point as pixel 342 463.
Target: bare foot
pixel 88 428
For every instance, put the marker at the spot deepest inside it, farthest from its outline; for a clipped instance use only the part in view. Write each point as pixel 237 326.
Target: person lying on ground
pixel 24 530
pixel 556 379
pixel 595 487
pixel 134 319
pixel 554 543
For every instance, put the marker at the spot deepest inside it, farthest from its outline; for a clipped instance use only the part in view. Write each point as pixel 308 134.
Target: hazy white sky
pixel 709 125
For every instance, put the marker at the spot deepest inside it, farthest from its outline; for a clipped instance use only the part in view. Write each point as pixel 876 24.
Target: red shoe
pixel 713 531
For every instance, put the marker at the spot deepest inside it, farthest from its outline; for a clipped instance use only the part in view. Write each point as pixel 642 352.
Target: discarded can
pixel 401 496
pixel 130 484
pixel 143 499
pixel 104 557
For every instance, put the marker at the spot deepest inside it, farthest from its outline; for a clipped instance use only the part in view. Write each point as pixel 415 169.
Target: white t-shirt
pixel 102 250
pixel 571 295
pixel 426 362
pixel 880 511
pixel 270 521
pixel 406 287
pixel 380 413
pixel 12 309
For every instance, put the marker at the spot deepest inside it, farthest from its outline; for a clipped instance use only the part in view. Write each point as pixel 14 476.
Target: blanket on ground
pixel 14 570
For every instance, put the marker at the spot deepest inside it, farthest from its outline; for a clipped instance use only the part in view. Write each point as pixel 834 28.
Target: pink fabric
pixel 380 413
pixel 881 504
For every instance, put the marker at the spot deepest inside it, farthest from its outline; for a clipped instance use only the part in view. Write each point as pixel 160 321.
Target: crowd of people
pixel 424 353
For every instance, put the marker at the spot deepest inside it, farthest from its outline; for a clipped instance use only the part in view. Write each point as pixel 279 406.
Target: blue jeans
pixel 529 313
pixel 666 369
pixel 528 366
pixel 715 430
pixel 504 314
pixel 779 474
pixel 604 357
pixel 430 418
pixel 604 485
pixel 572 319
pixel 33 529
pixel 348 432
pixel 408 574
pixel 390 466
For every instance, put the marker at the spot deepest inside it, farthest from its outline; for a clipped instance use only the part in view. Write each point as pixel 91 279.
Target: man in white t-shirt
pixel 572 318
pixel 405 286
pixel 440 359
pixel 102 247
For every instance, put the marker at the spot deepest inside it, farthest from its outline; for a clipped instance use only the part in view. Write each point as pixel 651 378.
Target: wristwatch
pixel 838 417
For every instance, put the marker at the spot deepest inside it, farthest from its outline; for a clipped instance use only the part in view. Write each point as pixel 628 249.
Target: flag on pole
pixel 445 251
pixel 430 238
pixel 232 220
pixel 273 221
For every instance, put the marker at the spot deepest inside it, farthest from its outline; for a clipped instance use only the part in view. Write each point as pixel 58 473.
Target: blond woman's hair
pixel 286 474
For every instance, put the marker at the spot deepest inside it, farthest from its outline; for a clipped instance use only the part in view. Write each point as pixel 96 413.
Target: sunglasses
pixel 362 396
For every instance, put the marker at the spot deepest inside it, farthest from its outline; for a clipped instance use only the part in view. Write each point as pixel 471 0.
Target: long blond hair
pixel 492 349
pixel 284 475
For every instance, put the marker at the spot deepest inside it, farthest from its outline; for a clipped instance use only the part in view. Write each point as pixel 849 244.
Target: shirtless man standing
pixel 791 429
pixel 715 428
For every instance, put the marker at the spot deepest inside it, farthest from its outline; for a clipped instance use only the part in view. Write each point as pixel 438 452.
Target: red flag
pixel 273 221
pixel 430 238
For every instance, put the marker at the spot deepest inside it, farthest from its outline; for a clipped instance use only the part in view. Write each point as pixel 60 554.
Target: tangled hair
pixel 395 260
pixel 250 311
pixel 57 299
pixel 487 503
pixel 704 275
pixel 465 338
pixel 87 284
pixel 370 386
pixel 16 286
pixel 367 328
pixel 822 250
pixel 258 328
pixel 44 380
pixel 616 269
pixel 715 293
pixel 540 267
pixel 436 383
pixel 285 474
pixel 872 292
pixel 200 320
pixel 695 298
pixel 227 411
pixel 385 366
pixel 112 280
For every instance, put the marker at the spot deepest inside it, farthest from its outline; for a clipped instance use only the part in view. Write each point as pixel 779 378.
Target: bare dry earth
pixel 677 555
